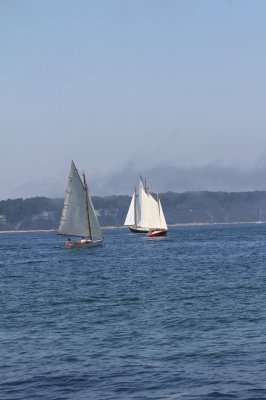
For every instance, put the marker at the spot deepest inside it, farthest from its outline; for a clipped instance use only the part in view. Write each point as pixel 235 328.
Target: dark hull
pixel 158 233
pixel 138 230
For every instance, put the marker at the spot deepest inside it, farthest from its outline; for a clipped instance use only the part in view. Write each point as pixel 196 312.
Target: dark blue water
pixel 177 318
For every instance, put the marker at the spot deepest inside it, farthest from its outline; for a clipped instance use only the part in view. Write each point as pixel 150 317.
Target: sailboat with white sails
pixel 78 215
pixel 145 213
pixel 260 221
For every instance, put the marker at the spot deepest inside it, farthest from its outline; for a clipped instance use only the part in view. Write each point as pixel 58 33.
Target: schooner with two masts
pixel 145 213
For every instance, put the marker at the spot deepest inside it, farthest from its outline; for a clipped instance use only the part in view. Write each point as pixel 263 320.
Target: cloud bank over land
pixel 165 178
pixel 161 178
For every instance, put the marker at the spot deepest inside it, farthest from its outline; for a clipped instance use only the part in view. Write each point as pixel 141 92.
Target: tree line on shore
pixel 183 208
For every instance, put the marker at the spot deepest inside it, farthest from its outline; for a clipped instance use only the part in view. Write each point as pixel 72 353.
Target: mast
pixel 158 202
pixel 135 207
pixel 87 199
pixel 146 186
pixel 143 183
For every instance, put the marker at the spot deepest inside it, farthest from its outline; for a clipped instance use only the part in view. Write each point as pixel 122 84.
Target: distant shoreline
pixel 219 223
pixel 29 231
pixel 125 227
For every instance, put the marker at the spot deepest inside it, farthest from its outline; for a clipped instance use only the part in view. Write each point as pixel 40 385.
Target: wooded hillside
pixel 189 207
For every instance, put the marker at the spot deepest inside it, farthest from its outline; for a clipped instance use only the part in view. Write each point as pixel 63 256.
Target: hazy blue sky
pixel 173 89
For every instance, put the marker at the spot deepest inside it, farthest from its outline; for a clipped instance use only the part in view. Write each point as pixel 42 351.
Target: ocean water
pixel 182 317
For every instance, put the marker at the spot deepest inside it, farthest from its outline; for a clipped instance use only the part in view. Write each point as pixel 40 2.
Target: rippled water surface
pixel 177 318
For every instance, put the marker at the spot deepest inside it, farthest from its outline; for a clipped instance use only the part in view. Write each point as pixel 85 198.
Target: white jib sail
pixel 75 220
pixel 163 224
pixel 130 218
pixel 96 232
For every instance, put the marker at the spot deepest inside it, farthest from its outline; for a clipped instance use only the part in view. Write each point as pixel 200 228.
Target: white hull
pixel 77 244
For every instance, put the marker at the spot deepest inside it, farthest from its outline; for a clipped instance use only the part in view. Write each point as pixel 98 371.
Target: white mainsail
pixel 154 214
pixel 145 204
pixel 145 211
pixel 78 215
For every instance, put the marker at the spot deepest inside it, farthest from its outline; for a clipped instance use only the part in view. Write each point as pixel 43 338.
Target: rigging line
pixel 87 204
pixel 135 207
pixel 158 201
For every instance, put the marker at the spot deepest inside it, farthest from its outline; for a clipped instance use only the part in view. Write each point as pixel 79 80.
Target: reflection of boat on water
pixel 260 221
pixel 145 213
pixel 78 216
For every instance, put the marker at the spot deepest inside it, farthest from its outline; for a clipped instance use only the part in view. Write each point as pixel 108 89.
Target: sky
pixel 174 90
